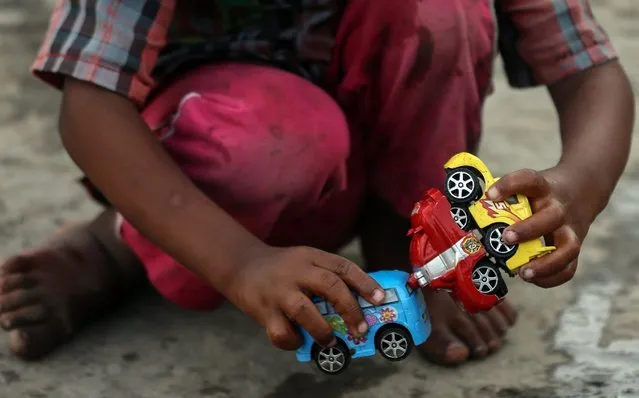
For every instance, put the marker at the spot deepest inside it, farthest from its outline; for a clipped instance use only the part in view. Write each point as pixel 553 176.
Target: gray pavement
pixel 581 340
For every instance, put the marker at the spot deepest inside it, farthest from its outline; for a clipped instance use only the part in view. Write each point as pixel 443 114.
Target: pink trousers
pixel 293 162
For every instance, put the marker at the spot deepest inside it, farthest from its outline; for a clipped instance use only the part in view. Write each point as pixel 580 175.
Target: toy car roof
pixel 386 279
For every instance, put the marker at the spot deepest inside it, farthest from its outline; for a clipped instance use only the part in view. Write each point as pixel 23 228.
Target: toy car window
pixel 512 200
pixel 363 303
pixel 391 296
pixel 322 307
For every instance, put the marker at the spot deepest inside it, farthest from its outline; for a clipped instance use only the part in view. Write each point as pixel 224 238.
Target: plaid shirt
pixel 127 46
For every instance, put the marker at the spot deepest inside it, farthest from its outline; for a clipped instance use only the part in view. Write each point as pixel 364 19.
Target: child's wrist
pixel 224 273
pixel 592 190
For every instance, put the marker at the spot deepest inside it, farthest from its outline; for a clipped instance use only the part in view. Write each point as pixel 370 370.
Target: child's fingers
pixel 335 290
pixel 301 310
pixel 352 274
pixel 526 182
pixel 544 222
pixel 281 332
pixel 568 247
pixel 558 279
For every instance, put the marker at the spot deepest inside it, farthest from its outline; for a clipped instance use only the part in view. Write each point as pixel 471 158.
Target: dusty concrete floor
pixel 581 340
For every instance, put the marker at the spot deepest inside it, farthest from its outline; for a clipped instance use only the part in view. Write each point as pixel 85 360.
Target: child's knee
pixel 265 135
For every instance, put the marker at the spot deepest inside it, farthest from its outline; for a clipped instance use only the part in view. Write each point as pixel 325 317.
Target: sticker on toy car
pixel 493 209
pixel 470 245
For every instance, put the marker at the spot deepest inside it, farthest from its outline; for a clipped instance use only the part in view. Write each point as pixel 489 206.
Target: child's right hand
pixel 274 288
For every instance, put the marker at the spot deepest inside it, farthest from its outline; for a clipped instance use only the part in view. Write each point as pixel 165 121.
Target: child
pixel 250 140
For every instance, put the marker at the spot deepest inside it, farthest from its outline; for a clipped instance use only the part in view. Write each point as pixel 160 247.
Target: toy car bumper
pixel 303 356
pixel 418 279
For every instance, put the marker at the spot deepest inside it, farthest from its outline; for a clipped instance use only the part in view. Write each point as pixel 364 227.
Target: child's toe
pixel 23 316
pixel 442 347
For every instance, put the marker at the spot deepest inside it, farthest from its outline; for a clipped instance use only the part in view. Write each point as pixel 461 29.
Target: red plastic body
pixel 437 243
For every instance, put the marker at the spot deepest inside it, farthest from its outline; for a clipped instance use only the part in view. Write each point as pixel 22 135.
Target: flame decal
pixel 493 209
pixel 489 205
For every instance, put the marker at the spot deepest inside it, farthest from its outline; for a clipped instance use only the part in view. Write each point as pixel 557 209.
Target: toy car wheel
pixel 494 243
pixel 394 344
pixel 332 360
pixel 462 185
pixel 487 279
pixel 462 217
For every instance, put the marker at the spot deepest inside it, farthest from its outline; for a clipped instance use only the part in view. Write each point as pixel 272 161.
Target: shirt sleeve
pixel 113 44
pixel 544 41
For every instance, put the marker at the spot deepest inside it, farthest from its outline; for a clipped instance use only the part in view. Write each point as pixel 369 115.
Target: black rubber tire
pixel 500 288
pixel 394 331
pixel 341 347
pixel 476 190
pixel 488 232
pixel 456 212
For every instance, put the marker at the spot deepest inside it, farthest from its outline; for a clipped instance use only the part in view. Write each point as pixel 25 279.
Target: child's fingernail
pixel 378 296
pixel 362 328
pixel 492 193
pixel 528 274
pixel 509 236
pixel 333 343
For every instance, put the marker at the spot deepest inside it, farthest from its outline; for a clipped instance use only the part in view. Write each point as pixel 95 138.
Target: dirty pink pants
pixel 293 162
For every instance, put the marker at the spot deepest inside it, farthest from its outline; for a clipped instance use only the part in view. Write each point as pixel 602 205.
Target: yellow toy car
pixel 467 179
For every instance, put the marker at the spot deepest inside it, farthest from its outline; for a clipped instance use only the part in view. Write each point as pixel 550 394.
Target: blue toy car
pixel 394 327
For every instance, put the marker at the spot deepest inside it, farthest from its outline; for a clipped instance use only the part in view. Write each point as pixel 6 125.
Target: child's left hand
pixel 562 212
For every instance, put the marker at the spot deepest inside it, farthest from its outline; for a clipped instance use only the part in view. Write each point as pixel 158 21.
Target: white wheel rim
pixel 485 279
pixel 394 345
pixel 497 243
pixel 460 185
pixel 331 359
pixel 460 216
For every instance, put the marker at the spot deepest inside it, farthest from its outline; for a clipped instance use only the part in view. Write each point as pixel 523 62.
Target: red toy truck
pixel 443 256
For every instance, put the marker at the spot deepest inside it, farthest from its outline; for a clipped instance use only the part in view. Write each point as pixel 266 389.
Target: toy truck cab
pixel 397 325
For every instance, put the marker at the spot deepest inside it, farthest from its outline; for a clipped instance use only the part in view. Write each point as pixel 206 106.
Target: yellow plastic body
pixel 486 212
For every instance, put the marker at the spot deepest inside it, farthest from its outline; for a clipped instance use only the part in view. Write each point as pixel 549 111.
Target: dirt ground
pixel 581 340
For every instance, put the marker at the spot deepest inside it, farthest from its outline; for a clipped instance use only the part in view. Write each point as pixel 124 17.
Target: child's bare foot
pixel 456 335
pixel 47 294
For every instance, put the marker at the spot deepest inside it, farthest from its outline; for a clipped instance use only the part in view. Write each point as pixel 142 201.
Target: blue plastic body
pixel 404 308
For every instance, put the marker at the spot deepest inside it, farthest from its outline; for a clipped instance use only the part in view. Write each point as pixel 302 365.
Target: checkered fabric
pixel 127 46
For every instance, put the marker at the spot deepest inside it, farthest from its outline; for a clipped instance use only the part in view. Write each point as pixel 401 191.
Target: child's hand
pixel 274 288
pixel 561 212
